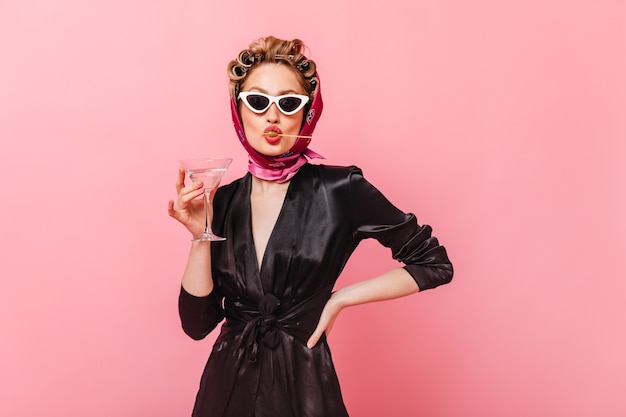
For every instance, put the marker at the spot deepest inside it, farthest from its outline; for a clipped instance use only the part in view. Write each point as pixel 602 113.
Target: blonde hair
pixel 272 50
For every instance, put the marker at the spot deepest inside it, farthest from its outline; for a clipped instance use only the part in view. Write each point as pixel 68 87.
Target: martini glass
pixel 209 171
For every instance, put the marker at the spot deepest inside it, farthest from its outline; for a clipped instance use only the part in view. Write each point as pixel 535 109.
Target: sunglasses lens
pixel 289 104
pixel 258 102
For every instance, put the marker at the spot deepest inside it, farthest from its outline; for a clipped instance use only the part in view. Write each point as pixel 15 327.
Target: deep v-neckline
pixel 268 244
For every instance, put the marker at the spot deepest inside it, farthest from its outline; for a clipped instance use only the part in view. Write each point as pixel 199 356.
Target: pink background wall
pixel 500 123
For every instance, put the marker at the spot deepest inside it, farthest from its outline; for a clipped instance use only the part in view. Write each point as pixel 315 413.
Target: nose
pixel 273 114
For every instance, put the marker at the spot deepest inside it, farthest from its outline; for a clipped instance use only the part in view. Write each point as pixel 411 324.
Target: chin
pixel 273 150
pixel 273 153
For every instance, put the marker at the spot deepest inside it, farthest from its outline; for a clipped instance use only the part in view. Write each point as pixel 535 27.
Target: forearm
pixel 199 308
pixel 393 284
pixel 197 279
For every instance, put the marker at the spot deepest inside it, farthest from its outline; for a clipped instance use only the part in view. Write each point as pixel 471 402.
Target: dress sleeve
pixel 199 315
pixel 375 217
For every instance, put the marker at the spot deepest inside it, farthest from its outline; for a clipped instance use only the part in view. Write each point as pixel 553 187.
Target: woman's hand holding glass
pixel 189 208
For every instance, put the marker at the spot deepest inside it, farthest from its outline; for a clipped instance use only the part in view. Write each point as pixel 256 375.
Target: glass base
pixel 208 237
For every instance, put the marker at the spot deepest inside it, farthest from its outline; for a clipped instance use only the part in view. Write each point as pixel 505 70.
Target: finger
pixel 180 180
pixel 329 328
pixel 170 209
pixel 315 337
pixel 186 194
pixel 193 187
pixel 190 195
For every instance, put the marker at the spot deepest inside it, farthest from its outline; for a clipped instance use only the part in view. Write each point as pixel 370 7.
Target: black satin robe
pixel 260 365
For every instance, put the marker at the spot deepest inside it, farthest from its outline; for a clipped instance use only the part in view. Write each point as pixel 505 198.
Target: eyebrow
pixel 280 93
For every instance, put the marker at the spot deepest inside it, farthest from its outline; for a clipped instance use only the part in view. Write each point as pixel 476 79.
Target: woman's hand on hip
pixel 327 320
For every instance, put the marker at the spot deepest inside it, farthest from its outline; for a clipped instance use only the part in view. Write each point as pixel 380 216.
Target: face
pixel 274 80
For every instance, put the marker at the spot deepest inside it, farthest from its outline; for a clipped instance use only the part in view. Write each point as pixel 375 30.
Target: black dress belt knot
pixel 262 327
pixel 262 322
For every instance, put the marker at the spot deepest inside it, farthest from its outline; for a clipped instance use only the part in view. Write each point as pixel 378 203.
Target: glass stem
pixel 206 212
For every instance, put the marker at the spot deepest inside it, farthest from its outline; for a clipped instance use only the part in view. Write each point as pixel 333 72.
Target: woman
pixel 290 227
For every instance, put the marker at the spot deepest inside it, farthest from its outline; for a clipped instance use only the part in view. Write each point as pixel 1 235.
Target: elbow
pixel 441 272
pixel 442 275
pixel 432 276
pixel 447 274
pixel 194 334
pixel 448 279
pixel 199 315
pixel 199 328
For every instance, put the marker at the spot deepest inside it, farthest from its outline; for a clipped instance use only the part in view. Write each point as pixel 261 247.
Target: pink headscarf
pixel 283 167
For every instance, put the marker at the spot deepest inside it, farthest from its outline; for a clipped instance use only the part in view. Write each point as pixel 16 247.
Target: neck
pixel 261 186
